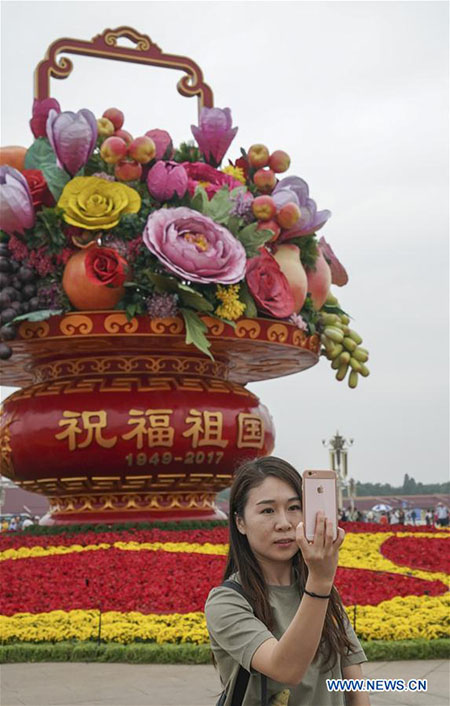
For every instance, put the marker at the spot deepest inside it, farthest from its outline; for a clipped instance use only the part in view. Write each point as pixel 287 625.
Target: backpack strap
pixel 243 676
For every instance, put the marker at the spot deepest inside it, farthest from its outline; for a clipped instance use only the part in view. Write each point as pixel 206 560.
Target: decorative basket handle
pixel 104 46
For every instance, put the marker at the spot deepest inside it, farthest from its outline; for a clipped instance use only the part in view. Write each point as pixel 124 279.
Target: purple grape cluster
pixel 17 296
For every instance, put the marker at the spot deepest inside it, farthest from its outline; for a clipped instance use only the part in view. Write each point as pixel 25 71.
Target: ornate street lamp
pixel 338 447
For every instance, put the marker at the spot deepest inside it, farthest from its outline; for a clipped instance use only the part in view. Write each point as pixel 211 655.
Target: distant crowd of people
pixel 439 516
pixel 18 522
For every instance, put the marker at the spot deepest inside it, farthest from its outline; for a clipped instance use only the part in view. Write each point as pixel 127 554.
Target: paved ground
pixel 95 684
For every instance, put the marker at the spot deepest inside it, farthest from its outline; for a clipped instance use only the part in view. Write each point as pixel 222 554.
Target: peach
pixel 124 135
pixel 319 282
pixel 116 116
pixel 279 161
pixel 288 258
pixel 288 215
pixel 113 150
pixel 270 225
pixel 142 149
pixel 265 180
pixel 105 127
pixel 264 208
pixel 128 171
pixel 258 156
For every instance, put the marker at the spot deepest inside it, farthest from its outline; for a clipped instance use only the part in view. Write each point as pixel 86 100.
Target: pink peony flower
pixel 73 137
pixel 165 179
pixel 339 274
pixel 16 203
pixel 194 247
pixel 214 135
pixel 41 109
pixel 211 179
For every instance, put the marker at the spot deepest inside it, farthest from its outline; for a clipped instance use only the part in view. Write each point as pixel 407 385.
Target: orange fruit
pixel 13 156
pixel 84 294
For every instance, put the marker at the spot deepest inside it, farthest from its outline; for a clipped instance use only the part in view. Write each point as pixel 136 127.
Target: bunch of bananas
pixel 342 344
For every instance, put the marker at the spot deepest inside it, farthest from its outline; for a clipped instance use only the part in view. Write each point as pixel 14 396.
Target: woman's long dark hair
pixel 241 559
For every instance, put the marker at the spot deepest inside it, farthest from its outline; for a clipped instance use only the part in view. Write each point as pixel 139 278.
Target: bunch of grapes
pixel 17 296
pixel 342 345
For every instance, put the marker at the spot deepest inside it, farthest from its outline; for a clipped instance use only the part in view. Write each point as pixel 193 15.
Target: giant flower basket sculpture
pixel 143 286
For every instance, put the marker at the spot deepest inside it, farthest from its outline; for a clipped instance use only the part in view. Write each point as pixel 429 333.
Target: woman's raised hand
pixel 321 555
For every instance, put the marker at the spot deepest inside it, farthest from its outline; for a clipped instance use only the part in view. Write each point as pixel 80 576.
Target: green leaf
pixel 199 202
pixel 38 315
pixel 329 309
pixel 220 205
pixel 162 283
pixel 195 331
pixel 39 153
pixel 252 239
pixel 247 299
pixel 190 297
pixel 55 177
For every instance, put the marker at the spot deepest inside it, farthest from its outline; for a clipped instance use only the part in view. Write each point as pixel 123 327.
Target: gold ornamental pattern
pixel 161 502
pixel 254 349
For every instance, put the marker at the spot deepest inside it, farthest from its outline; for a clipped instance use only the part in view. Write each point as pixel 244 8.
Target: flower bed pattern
pixel 151 585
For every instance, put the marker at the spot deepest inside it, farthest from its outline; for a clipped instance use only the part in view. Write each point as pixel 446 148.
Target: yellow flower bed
pixel 397 619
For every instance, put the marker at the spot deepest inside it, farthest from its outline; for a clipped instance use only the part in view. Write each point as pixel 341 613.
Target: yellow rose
pixel 97 204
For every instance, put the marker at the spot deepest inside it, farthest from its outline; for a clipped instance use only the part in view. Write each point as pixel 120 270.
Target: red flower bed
pixel 367 587
pixel 375 527
pixel 156 582
pixel 15 540
pixel 144 581
pixel 418 553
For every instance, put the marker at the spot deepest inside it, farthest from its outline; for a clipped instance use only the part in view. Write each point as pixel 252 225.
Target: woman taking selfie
pixel 283 631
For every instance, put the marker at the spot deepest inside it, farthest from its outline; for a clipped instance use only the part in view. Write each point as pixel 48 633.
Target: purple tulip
pixel 339 274
pixel 41 109
pixel 163 142
pixel 214 135
pixel 165 179
pixel 296 190
pixel 16 204
pixel 194 247
pixel 73 137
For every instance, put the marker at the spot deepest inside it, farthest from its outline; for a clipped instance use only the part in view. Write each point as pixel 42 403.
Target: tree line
pixel 410 487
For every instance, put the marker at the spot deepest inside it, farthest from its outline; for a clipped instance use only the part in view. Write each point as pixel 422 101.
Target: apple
pixel 105 127
pixel 258 156
pixel 142 149
pixel 288 215
pixel 319 282
pixel 265 180
pixel 264 208
pixel 113 150
pixel 279 161
pixel 116 116
pixel 128 171
pixel 270 225
pixel 288 258
pixel 124 135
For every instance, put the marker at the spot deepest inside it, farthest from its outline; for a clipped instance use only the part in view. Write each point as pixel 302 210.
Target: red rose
pixel 40 192
pixel 268 286
pixel 104 266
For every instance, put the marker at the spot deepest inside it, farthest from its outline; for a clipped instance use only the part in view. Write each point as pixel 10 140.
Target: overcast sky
pixel 357 94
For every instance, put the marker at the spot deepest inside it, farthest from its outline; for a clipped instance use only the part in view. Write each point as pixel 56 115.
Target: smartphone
pixel 319 493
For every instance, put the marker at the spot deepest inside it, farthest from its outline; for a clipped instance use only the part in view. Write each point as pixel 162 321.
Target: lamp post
pixel 338 447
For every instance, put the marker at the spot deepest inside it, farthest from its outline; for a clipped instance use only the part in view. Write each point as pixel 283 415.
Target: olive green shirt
pixel 236 633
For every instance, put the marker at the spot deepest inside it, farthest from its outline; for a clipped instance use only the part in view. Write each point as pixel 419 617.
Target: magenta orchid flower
pixel 41 109
pixel 73 137
pixel 16 203
pixel 339 274
pixel 214 135
pixel 293 189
